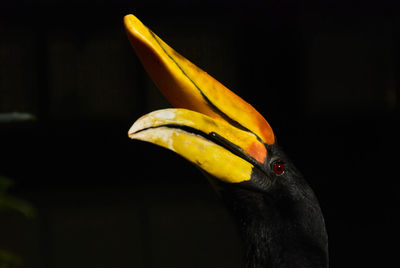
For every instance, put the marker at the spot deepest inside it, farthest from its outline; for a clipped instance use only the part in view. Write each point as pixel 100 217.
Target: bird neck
pixel 279 233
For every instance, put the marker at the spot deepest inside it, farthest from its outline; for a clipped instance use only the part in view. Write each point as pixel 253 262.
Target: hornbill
pixel 277 214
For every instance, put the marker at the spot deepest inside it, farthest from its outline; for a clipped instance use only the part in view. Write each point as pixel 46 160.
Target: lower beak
pixel 213 145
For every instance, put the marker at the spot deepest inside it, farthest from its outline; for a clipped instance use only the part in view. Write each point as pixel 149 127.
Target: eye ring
pixel 278 167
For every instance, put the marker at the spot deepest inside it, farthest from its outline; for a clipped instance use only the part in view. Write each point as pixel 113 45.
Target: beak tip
pixel 133 24
pixel 131 135
pixel 133 130
pixel 129 18
pixel 153 119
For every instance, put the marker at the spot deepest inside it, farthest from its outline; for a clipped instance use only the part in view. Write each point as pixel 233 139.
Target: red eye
pixel 279 168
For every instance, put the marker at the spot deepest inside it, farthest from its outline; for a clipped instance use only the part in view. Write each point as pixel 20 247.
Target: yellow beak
pixel 216 130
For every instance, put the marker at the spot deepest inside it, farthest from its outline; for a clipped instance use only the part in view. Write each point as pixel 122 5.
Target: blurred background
pixel 325 76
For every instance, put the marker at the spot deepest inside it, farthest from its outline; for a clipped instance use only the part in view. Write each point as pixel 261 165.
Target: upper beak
pixel 217 130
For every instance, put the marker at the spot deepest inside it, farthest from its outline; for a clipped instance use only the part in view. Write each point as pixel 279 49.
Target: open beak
pixel 212 127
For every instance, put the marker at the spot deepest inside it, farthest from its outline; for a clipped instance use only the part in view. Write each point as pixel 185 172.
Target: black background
pixel 325 76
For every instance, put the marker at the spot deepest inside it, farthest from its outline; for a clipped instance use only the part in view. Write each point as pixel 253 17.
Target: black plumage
pixel 279 220
pixel 281 225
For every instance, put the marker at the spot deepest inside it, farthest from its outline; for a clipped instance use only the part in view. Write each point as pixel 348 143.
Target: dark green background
pixel 326 77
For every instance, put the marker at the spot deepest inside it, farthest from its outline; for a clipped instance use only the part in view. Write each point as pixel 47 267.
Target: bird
pixel 277 214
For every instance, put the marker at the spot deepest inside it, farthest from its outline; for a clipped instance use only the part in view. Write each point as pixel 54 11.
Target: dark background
pixel 325 76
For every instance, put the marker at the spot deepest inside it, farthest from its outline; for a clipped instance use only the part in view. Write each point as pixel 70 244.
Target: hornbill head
pixel 277 213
